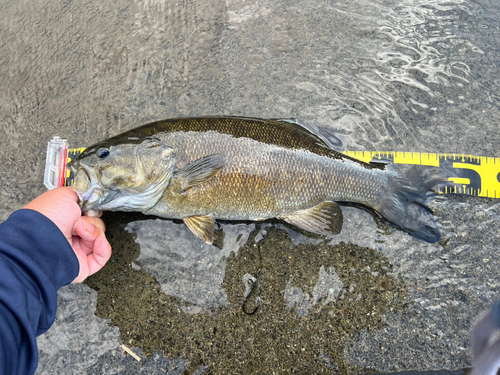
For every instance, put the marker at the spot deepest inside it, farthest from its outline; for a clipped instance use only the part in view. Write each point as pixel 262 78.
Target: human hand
pixel 84 234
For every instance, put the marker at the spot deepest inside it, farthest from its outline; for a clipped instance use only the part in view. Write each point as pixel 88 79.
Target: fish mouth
pixel 89 193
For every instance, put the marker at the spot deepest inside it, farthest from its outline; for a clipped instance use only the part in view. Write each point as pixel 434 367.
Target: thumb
pixel 100 255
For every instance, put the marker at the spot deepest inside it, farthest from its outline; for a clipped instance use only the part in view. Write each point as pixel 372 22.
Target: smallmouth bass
pixel 233 168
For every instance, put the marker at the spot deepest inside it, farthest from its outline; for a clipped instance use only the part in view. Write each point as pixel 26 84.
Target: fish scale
pixel 273 182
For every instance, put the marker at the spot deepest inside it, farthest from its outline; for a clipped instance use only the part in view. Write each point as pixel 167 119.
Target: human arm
pixel 42 248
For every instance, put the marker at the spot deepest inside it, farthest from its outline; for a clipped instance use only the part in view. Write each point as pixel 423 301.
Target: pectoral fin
pixel 325 218
pixel 200 170
pixel 202 226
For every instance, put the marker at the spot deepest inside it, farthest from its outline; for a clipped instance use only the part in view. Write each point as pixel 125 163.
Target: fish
pixel 205 169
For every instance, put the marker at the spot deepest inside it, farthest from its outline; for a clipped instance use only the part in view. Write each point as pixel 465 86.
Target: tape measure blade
pixel 468 174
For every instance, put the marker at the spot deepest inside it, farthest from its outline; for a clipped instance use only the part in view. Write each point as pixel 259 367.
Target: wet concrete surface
pixel 387 75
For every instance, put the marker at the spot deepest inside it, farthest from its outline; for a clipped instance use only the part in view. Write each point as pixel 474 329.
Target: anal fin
pixel 202 226
pixel 325 218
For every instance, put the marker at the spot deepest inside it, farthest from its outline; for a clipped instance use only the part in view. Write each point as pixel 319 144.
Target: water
pixel 388 75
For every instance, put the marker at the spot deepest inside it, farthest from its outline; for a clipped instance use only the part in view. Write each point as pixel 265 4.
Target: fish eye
pixel 102 152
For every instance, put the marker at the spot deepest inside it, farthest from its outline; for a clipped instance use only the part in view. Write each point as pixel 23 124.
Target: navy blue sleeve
pixel 35 261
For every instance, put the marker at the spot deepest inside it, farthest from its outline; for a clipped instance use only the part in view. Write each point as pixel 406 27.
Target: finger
pixel 93 213
pixel 95 221
pixel 83 272
pixel 83 229
pixel 100 256
pixel 93 261
pixel 87 233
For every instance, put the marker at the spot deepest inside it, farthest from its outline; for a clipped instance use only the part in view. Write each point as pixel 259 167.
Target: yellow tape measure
pixel 471 175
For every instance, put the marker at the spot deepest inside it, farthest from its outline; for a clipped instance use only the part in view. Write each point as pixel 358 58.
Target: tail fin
pixel 405 200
